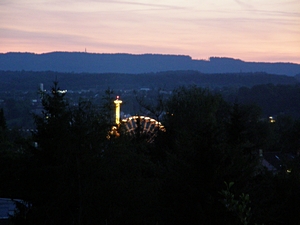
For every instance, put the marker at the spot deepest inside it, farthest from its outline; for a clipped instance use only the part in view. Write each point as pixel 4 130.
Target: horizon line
pixel 141 54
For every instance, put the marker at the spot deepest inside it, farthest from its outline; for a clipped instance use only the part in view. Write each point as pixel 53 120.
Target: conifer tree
pixel 2 120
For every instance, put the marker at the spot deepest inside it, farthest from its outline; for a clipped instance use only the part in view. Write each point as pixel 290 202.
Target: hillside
pixel 128 63
pixel 29 80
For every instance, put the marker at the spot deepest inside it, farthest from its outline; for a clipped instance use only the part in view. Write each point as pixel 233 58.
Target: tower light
pixel 118 103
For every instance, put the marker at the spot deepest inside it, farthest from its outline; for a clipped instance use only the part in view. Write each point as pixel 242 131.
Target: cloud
pixel 158 6
pixel 39 36
pixel 102 5
pixel 245 5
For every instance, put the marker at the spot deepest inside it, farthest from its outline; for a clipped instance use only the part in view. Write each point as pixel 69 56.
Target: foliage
pixel 71 141
pixel 200 138
pixel 75 175
pixel 3 125
pixel 274 100
pixel 153 106
pixel 240 207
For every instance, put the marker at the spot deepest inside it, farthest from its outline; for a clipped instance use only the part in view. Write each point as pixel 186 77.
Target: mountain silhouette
pixel 79 62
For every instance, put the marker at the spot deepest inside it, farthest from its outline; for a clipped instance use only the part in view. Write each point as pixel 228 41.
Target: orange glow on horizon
pixel 265 31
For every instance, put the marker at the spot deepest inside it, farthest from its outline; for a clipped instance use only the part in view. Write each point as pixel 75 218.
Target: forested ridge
pixel 205 169
pixel 79 62
pixel 29 80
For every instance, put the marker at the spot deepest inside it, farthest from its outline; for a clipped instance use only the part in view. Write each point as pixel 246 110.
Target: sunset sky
pixel 252 30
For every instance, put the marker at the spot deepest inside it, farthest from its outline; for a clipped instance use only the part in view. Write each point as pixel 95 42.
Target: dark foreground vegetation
pixel 205 169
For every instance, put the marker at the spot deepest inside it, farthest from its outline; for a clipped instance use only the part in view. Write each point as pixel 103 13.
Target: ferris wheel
pixel 137 126
pixel 142 126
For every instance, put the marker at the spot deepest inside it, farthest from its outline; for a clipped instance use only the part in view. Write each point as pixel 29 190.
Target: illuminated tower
pixel 118 103
pixel 135 125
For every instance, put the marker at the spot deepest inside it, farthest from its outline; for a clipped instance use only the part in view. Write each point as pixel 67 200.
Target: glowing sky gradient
pixel 252 30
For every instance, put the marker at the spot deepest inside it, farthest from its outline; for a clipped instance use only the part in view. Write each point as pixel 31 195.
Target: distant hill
pixel 30 80
pixel 79 62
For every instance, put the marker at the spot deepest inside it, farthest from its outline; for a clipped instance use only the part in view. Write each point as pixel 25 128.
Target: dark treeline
pixel 274 94
pixel 29 80
pixel 274 100
pixel 205 169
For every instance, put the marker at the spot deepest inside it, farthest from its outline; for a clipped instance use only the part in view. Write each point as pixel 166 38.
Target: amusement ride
pixel 136 126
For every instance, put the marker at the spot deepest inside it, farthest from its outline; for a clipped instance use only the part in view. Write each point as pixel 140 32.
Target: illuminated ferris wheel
pixel 142 126
pixel 137 126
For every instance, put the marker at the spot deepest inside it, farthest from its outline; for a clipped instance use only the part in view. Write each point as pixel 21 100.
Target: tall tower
pixel 41 87
pixel 118 103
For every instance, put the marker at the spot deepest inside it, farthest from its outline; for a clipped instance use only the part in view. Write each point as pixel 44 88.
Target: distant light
pixel 62 91
pixel 271 119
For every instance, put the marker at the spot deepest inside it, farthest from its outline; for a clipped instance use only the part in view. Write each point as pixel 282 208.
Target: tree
pixel 153 106
pixel 239 207
pixel 2 120
pixel 3 133
pixel 75 175
pixel 208 140
pixel 245 129
pixel 67 159
pixel 13 159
